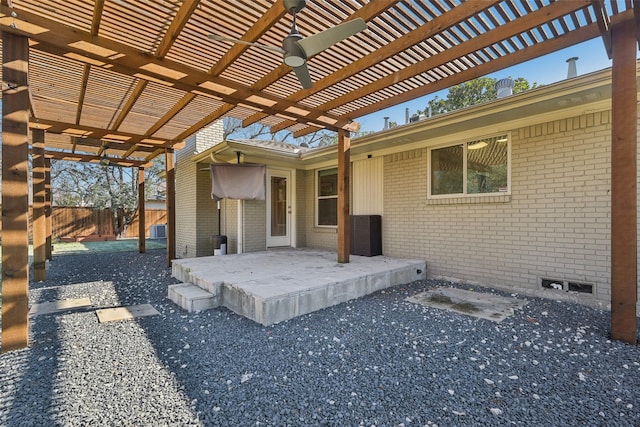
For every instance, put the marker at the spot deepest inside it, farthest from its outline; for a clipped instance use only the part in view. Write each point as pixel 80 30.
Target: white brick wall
pixel 229 223
pixel 186 205
pixel 196 213
pixel 316 237
pixel 255 223
pixel 207 214
pixel 556 224
pixel 302 218
pixel 209 136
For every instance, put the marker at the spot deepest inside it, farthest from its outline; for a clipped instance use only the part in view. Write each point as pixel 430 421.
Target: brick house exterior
pixel 550 225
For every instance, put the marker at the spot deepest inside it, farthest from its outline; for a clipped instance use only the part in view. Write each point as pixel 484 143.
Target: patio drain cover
pixel 477 304
pixel 59 306
pixel 125 313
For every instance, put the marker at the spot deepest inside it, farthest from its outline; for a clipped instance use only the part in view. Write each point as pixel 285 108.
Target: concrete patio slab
pixel 277 285
pixel 59 306
pixel 125 313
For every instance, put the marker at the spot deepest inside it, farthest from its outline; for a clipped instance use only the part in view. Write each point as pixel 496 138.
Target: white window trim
pixel 317 197
pixel 464 166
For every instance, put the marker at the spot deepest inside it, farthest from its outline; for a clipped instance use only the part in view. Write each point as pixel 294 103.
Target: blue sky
pixel 544 70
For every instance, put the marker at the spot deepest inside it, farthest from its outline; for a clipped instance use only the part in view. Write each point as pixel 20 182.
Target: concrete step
pixel 193 298
pixel 191 271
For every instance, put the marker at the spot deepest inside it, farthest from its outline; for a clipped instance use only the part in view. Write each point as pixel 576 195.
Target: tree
pixel 101 186
pixel 233 130
pixel 155 185
pixel 470 93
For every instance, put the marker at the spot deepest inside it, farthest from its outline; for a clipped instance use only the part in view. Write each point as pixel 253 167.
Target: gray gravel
pixel 377 361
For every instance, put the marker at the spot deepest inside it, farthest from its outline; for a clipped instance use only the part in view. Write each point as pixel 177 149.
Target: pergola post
pixel 344 167
pixel 15 192
pixel 47 208
pixel 171 206
pixel 39 219
pixel 624 276
pixel 142 229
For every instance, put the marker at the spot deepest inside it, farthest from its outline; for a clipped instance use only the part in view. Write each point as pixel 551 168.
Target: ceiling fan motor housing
pixel 294 55
pixel 294 6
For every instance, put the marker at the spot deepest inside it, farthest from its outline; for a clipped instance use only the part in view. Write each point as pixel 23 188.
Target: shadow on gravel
pixel 38 372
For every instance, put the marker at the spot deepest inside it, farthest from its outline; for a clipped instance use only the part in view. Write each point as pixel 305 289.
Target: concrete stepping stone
pixel 59 306
pixel 125 313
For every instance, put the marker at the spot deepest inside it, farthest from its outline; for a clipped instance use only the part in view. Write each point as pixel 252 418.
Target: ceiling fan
pixel 297 49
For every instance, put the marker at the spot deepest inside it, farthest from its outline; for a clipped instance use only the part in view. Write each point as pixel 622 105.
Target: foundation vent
pixel 583 288
pixel 556 284
pixel 567 285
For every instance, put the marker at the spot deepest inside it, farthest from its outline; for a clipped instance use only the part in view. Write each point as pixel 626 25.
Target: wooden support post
pixel 39 219
pixel 624 276
pixel 15 192
pixel 142 228
pixel 344 167
pixel 47 208
pixel 171 206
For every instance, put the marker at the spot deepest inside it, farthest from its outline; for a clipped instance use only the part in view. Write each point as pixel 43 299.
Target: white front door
pixel 278 208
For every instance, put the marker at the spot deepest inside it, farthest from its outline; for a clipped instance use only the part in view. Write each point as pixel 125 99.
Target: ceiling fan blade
pixel 302 72
pixel 316 43
pixel 238 41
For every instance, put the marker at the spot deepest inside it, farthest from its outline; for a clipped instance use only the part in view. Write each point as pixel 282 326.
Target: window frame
pixel 464 143
pixel 317 198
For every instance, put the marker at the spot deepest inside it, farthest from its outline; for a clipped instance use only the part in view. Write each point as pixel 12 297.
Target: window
pixel 472 168
pixel 327 197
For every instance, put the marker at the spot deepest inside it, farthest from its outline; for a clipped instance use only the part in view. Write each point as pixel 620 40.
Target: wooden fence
pixel 69 222
pixel 151 217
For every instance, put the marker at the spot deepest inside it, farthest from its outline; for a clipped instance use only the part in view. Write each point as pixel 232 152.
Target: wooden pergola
pixel 132 79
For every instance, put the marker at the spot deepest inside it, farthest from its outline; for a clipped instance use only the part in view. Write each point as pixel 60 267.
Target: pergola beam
pixel 83 91
pixel 97 16
pixel 90 158
pixel 123 140
pixel 603 24
pixel 269 19
pixel 128 105
pixel 95 26
pixel 205 121
pixel 179 21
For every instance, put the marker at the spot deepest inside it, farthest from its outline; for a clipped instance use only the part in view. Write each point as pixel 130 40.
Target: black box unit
pixel 366 235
